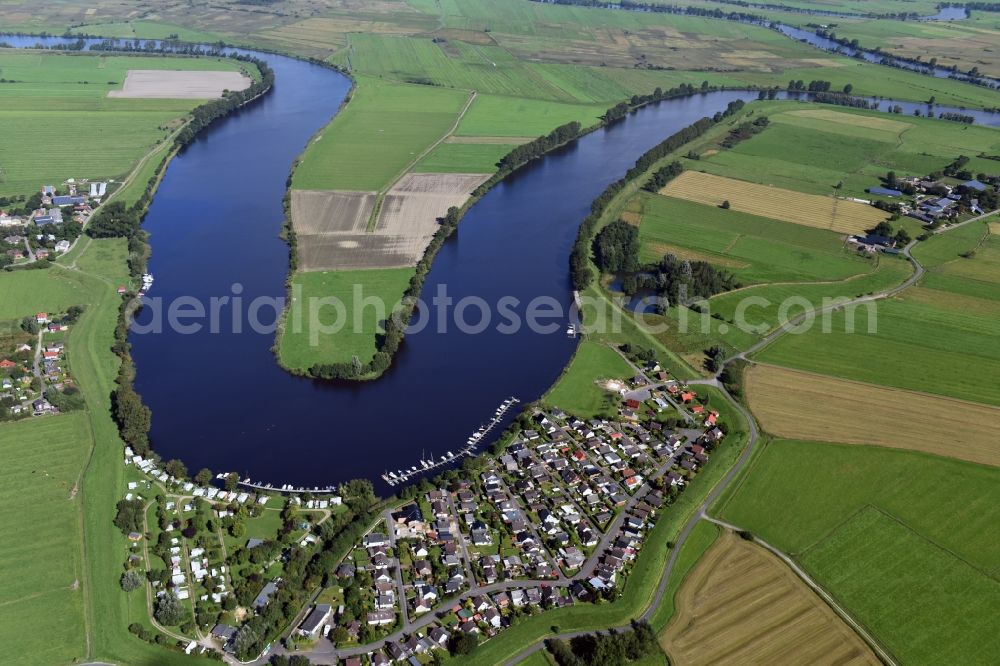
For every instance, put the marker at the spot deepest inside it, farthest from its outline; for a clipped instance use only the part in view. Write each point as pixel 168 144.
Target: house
pixel 62 246
pixel 223 632
pixel 42 318
pixel 314 622
pixel 375 539
pixel 68 200
pixel 380 618
pixel 265 595
pixel 688 396
pixel 884 191
pixel 975 185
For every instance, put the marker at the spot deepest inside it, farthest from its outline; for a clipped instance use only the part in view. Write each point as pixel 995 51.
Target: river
pixel 220 401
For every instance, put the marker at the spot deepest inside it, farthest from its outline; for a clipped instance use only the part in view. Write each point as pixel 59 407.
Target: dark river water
pixel 220 401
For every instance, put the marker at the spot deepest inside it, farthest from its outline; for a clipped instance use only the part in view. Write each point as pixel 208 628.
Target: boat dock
pixel 404 475
pixel 287 488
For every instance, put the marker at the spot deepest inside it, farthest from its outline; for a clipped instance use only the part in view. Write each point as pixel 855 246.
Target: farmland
pixel 821 212
pixel 741 604
pixel 356 333
pixel 812 149
pixel 382 129
pixel 59 100
pixel 949 331
pixel 806 406
pixel 752 247
pixel 41 572
pixel 881 532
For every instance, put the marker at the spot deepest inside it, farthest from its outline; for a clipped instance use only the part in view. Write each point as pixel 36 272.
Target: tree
pixel 169 610
pixel 848 88
pixel 724 205
pixel 232 480
pixel 462 643
pixel 203 477
pixel 131 580
pixel 176 469
pixel 616 248
pixel 883 228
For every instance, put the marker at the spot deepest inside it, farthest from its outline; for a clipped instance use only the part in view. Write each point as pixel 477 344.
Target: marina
pixel 430 463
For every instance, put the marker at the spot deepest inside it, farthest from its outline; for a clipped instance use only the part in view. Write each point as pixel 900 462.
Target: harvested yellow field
pixel 802 405
pixel 742 605
pixel 811 210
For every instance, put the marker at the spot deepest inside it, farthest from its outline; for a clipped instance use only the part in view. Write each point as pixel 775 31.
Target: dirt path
pixel 373 220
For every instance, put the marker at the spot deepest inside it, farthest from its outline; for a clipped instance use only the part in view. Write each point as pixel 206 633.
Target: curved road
pixel 723 483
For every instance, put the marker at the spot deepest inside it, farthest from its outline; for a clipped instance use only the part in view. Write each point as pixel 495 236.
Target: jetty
pixel 286 488
pixel 432 463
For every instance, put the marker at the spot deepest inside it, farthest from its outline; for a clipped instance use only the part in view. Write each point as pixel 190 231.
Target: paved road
pixel 681 538
pixel 326 653
pixel 400 590
pixel 919 271
pixel 794 322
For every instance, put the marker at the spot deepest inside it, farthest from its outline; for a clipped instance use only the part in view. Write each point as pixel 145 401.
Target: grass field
pixel 81 449
pixel 821 212
pixel 383 128
pixel 357 337
pixel 40 556
pixel 494 115
pixel 741 604
pixel 903 539
pixel 463 158
pixel 911 607
pixel 577 392
pixel 26 292
pixel 59 100
pixel 951 328
pixel 751 247
pixel 811 148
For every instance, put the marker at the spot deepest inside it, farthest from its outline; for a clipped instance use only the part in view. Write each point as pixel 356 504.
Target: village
pixel 556 518
pixel 48 222
pixel 34 371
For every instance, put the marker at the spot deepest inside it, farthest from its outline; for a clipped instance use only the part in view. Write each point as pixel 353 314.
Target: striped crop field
pixel 809 210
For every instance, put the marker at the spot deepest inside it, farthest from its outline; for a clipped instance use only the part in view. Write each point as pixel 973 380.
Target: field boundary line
pixel 788 283
pixel 859 627
pixel 922 394
pixel 380 197
pixel 904 525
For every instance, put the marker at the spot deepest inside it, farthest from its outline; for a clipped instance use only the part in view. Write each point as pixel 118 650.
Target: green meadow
pixel 463 158
pixel 376 136
pixel 577 392
pixel 903 539
pixel 492 115
pixel 357 329
pixel 26 292
pixel 754 249
pixel 68 553
pixel 56 105
pixel 813 148
pixel 939 337
pixel 40 555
